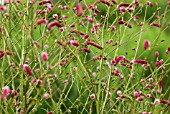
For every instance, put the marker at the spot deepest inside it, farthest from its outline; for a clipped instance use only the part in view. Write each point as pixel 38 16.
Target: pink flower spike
pixel 1 54
pixel 44 2
pixel 149 95
pixel 42 21
pixel 155 24
pixel 122 9
pixel 136 2
pixel 136 18
pixel 27 69
pixel 3 8
pixel 66 82
pixel 59 42
pixel 139 99
pixel 55 16
pixel 148 86
pixel 52 24
pixel 86 36
pixel 92 96
pixel 158 63
pixel 5 92
pixel 86 50
pixel 94 74
pixel 157 54
pixel 121 22
pixel 146 44
pixel 144 112
pixel 160 86
pixel 168 50
pixel 113 28
pixel 22 111
pixel 131 9
pixel 105 2
pixel 157 101
pixel 46 96
pixel 114 1
pixel 150 80
pixel 44 55
pixel 18 1
pixel 119 93
pixel 164 101
pixel 140 61
pixel 79 9
pixel 74 43
pixel 50 112
pixel 136 94
pixel 94 44
pixel 148 3
pixel 123 4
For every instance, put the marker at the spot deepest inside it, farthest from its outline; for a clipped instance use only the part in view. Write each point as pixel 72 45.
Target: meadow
pixel 84 57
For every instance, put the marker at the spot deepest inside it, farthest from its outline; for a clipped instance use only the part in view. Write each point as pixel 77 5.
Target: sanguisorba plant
pixel 76 57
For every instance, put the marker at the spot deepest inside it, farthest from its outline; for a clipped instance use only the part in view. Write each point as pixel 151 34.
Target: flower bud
pixel 44 55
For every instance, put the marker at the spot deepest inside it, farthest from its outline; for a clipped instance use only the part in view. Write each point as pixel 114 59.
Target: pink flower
pixel 150 80
pixel 155 24
pixel 46 96
pixel 114 1
pixel 157 101
pixel 44 2
pixel 55 16
pixel 92 96
pixel 121 22
pixel 158 63
pixel 3 8
pixel 148 3
pixel 22 111
pixel 113 28
pixel 27 69
pixel 94 74
pixel 148 86
pixel 164 101
pixel 86 36
pixel 136 2
pixel 160 86
pixel 131 9
pixel 1 54
pixel 124 4
pixel 5 92
pixel 50 112
pixel 140 61
pixel 119 93
pixel 39 81
pixel 139 99
pixel 149 95
pixel 157 54
pixel 105 2
pixel 42 21
pixel 136 94
pixel 74 43
pixel 146 44
pixel 55 23
pixel 86 50
pixel 168 50
pixel 79 9
pixel 94 44
pixel 122 9
pixel 59 42
pixel 66 82
pixel 136 18
pixel 62 29
pixel 44 55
